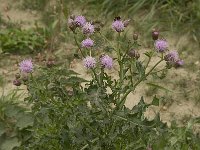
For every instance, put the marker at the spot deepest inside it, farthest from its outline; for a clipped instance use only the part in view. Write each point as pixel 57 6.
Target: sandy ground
pixel 178 109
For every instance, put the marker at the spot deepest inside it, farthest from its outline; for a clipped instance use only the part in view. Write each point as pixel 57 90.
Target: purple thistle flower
pixel 89 62
pixel 172 56
pixel 161 45
pixel 118 25
pixel 26 66
pixel 88 28
pixel 80 21
pixel 106 61
pixel 87 43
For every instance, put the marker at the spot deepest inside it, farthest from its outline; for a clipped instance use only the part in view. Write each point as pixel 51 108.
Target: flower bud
pixel 179 63
pixel 134 54
pixel 17 75
pixel 135 36
pixel 17 82
pixel 155 34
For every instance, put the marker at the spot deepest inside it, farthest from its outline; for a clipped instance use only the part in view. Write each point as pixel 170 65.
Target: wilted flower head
pixel 88 28
pixel 89 62
pixel 172 56
pixel 118 25
pixel 80 21
pixel 26 66
pixel 161 45
pixel 106 61
pixel 87 43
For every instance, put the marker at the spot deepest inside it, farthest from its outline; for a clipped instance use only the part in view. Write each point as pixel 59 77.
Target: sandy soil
pixel 178 109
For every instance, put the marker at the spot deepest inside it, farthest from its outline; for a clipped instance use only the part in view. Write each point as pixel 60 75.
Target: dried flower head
pixel 87 43
pixel 88 28
pixel 89 62
pixel 161 45
pixel 80 21
pixel 118 25
pixel 106 61
pixel 26 66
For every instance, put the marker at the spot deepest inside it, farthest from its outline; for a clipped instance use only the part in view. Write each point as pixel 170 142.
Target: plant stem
pixel 78 46
pixel 138 82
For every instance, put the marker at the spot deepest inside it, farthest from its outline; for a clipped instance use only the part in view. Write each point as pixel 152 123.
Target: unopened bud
pixel 17 82
pixel 135 36
pixel 179 63
pixel 155 34
pixel 134 54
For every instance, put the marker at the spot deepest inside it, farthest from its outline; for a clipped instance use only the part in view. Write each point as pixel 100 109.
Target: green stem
pixel 96 77
pixel 78 46
pixel 138 82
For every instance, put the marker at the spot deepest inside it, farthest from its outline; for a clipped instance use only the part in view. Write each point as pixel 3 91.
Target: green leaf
pixel 25 121
pixel 10 143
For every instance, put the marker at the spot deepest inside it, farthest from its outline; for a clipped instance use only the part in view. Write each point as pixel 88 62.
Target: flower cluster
pixel 172 59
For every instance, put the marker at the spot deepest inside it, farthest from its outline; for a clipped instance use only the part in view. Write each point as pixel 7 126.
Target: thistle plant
pixel 74 113
pixel 132 71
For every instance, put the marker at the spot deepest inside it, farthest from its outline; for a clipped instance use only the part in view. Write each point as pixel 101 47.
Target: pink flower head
pixel 26 66
pixel 89 62
pixel 161 45
pixel 88 28
pixel 106 61
pixel 80 21
pixel 87 43
pixel 172 56
pixel 118 25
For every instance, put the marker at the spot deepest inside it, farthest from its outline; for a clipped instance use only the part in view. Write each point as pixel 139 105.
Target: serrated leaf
pixel 10 143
